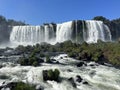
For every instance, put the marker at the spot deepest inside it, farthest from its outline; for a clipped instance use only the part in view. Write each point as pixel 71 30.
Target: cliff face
pixel 6 27
pixel 4 33
pixel 77 27
pixel 77 31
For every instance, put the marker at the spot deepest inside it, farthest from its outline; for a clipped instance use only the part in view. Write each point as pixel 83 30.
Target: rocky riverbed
pixel 74 74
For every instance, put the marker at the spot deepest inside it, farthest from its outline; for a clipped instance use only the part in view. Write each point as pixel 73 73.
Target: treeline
pixel 5 27
pixel 114 26
pixel 10 22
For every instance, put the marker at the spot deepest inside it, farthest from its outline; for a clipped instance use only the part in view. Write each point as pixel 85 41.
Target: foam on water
pixel 99 77
pixel 92 31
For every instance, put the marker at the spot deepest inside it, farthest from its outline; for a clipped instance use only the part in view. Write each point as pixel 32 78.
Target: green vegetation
pixel 31 60
pixel 99 52
pixel 51 75
pixel 56 74
pixel 48 59
pixel 23 86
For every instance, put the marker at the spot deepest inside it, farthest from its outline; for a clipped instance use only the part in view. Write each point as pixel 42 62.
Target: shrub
pixel 48 59
pixel 72 54
pixel 23 86
pixel 42 55
pixel 24 61
pixel 56 74
pixel 35 63
pixel 51 75
pixel 32 60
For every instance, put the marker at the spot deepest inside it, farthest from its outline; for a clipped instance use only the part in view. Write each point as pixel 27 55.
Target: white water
pixel 96 30
pixel 46 33
pixel 32 34
pixel 64 32
pixel 99 77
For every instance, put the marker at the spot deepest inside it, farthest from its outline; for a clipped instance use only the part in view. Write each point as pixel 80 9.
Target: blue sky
pixel 41 11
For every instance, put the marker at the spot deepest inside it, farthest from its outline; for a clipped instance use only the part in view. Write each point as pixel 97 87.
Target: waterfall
pixel 91 30
pixel 108 36
pixel 64 32
pixel 76 31
pixel 32 34
pixel 96 30
pixel 84 34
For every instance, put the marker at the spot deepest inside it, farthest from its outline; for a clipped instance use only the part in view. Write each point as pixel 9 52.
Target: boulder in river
pixel 78 79
pixel 71 80
pixel 51 75
pixel 80 64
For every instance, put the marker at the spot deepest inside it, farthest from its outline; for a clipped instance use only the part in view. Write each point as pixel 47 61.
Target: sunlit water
pixel 91 32
pixel 99 77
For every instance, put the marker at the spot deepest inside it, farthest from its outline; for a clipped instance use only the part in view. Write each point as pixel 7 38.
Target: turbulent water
pixel 99 77
pixel 32 34
pixel 52 33
pixel 97 30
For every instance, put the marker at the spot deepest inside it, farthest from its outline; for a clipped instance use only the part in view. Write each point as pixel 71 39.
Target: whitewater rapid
pixel 90 32
pixel 99 77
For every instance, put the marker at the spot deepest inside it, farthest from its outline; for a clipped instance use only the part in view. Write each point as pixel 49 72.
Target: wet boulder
pixel 39 87
pixel 80 64
pixel 9 85
pixel 71 80
pixel 78 79
pixel 54 61
pixel 86 83
pixel 69 70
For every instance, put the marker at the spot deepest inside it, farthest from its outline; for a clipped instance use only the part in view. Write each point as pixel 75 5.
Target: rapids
pixel 99 77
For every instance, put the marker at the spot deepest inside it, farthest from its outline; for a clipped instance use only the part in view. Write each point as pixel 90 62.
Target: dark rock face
pixel 78 79
pixel 4 35
pixel 6 27
pixel 86 83
pixel 45 75
pixel 53 61
pixel 80 64
pixel 40 60
pixel 71 80
pixel 38 87
pixel 9 85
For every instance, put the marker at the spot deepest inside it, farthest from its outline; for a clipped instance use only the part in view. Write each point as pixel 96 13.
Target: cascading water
pixel 99 77
pixel 32 34
pixel 92 31
pixel 76 30
pixel 64 32
pixel 96 30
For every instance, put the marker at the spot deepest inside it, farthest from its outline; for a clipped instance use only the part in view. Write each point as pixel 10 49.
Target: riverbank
pixel 84 66
pixel 73 75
